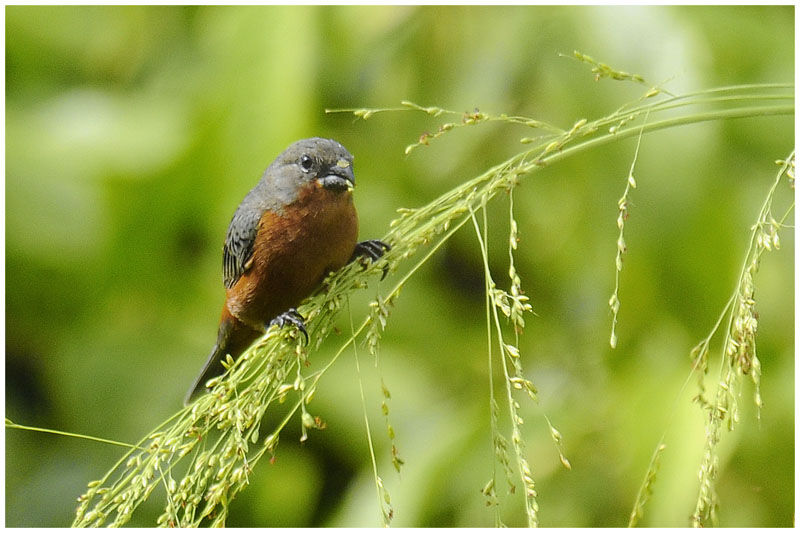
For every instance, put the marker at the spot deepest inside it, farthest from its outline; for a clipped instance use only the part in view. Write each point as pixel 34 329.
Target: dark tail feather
pixel 233 338
pixel 212 369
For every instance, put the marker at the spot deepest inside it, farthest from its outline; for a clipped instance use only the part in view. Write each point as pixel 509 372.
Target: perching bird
pixel 294 227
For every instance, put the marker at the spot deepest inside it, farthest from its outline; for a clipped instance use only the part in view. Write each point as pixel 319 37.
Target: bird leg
pixel 373 250
pixel 290 316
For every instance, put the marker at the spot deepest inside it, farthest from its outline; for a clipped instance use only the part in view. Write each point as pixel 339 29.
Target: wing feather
pixel 238 248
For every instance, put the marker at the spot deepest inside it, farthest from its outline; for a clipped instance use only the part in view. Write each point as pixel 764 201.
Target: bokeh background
pixel 133 132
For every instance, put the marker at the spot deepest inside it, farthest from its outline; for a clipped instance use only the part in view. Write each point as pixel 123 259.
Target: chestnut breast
pixel 294 249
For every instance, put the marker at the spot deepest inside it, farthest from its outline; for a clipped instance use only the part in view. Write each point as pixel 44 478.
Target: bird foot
pixel 291 316
pixel 373 250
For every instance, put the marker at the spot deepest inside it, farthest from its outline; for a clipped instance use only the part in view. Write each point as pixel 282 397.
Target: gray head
pixel 316 159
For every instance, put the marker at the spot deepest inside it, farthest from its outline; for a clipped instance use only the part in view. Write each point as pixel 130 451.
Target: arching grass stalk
pixel 203 454
pixel 498 441
pixel 384 502
pixel 13 425
pixel 741 335
pixel 739 357
pixel 500 299
pixel 622 206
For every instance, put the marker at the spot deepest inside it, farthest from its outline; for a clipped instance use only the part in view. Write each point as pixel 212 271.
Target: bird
pixel 294 227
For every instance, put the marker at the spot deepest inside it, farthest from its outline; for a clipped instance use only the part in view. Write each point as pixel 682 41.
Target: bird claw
pixel 291 316
pixel 373 250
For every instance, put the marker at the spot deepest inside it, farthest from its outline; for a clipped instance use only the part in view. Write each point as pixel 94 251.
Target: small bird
pixel 294 227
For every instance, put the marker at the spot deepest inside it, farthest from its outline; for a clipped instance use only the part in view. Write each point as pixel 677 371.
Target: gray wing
pixel 238 247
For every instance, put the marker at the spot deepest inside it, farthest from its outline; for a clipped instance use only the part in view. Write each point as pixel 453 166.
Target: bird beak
pixel 336 182
pixel 340 178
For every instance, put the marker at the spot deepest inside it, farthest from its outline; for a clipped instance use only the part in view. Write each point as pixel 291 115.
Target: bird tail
pixel 233 338
pixel 211 369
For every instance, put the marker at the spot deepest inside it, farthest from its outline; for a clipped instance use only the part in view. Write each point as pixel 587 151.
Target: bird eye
pixel 306 163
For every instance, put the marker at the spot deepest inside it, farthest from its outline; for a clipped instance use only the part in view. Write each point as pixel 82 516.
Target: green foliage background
pixel 133 132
